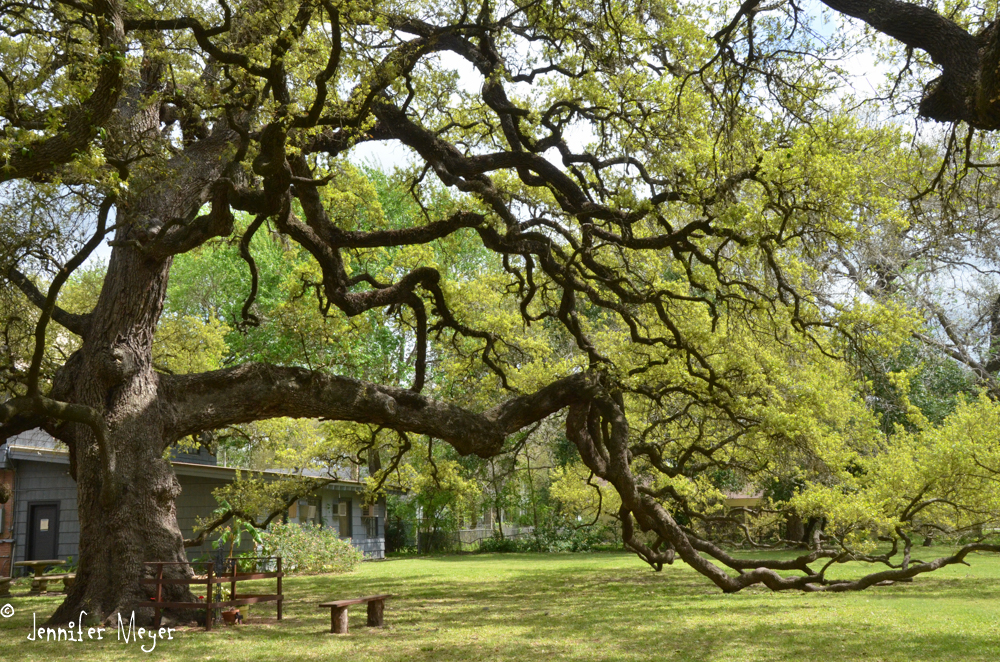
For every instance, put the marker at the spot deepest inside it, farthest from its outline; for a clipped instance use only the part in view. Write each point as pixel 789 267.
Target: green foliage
pixel 551 538
pixel 234 532
pixel 580 497
pixel 678 256
pixel 255 497
pixel 441 493
pixel 497 545
pixel 936 479
pixel 310 548
pixel 933 383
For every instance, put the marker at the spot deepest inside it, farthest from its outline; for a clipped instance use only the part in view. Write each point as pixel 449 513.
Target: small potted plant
pixel 232 614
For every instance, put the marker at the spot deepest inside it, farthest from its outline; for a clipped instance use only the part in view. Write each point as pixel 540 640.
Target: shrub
pixel 554 539
pixel 573 539
pixel 395 535
pixel 497 545
pixel 310 548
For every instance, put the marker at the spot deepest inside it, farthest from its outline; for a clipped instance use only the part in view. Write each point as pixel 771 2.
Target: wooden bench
pixel 338 612
pixel 40 584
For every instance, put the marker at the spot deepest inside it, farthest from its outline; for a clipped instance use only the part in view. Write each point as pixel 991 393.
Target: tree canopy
pixel 689 245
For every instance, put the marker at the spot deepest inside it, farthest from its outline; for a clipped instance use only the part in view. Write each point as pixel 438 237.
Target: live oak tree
pixel 943 261
pixel 648 204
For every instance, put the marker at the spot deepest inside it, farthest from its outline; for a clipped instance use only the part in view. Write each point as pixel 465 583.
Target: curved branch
pixel 249 319
pixel 57 283
pixel 38 408
pixel 76 323
pixel 81 123
pixel 255 391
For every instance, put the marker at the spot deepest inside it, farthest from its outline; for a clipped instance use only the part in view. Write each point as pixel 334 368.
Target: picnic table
pixel 41 581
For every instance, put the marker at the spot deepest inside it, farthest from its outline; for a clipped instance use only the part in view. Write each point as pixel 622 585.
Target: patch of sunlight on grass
pixel 586 607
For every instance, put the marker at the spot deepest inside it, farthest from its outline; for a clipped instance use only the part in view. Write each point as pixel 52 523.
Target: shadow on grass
pixel 594 607
pixel 573 611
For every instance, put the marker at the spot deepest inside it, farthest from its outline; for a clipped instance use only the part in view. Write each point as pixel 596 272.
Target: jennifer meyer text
pixel 77 633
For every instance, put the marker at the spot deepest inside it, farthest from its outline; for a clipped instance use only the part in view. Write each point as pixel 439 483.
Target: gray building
pixel 41 520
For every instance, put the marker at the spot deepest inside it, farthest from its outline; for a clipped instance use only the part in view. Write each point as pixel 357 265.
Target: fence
pixel 210 580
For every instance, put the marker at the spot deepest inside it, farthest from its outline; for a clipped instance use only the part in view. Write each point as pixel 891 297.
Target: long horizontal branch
pixel 255 391
pixel 945 41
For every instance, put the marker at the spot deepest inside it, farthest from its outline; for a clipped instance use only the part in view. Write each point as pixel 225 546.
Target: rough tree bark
pixel 127 512
pixel 968 89
pixel 133 519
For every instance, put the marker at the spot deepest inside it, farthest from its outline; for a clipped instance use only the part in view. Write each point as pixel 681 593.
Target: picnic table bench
pixel 67 579
pixel 338 612
pixel 40 582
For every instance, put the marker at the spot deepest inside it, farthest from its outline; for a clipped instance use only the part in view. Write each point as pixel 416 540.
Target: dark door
pixel 43 537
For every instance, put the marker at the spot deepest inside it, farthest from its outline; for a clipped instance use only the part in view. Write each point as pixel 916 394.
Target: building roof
pixel 39 446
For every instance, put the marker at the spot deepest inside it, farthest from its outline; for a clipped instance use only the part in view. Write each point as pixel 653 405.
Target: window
pixel 371 527
pixel 309 511
pixel 344 511
pixel 306 511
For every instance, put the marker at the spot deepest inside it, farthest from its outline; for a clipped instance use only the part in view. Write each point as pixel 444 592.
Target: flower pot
pixel 230 616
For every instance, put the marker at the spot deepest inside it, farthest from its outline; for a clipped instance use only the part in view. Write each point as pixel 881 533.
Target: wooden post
pixel 375 613
pixel 338 620
pixel 208 596
pixel 280 598
pixel 159 593
pixel 232 585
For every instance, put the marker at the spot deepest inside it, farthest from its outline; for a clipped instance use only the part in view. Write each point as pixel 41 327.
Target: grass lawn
pixel 573 607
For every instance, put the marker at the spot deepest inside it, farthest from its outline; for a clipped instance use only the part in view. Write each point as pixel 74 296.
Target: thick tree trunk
pixel 127 513
pixel 794 528
pixel 117 538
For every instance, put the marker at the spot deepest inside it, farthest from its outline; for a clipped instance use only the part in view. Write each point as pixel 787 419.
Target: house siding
pixel 372 547
pixel 45 482
pixel 50 482
pixel 193 503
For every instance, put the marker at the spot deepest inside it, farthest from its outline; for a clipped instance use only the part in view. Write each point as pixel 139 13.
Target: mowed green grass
pixel 574 607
